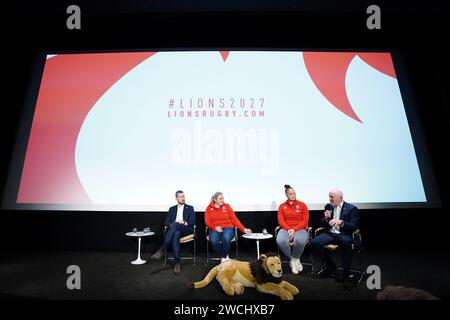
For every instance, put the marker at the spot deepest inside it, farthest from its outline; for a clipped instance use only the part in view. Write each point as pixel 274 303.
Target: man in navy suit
pixel 340 220
pixel 180 221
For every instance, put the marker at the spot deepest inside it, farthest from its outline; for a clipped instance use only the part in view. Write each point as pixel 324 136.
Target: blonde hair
pixel 216 195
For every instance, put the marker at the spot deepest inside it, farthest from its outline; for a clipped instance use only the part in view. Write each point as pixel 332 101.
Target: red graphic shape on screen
pixel 70 87
pixel 380 61
pixel 224 55
pixel 329 69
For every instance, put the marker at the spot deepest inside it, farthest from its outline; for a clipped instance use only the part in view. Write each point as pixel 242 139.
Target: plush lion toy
pixel 264 274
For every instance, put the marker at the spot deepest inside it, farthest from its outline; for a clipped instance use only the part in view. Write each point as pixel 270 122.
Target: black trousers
pixel 173 236
pixel 344 241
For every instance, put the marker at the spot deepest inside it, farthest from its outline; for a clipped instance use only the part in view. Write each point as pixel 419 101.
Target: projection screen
pixel 125 130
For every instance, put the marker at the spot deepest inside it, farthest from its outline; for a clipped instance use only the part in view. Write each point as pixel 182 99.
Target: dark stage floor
pixel 109 275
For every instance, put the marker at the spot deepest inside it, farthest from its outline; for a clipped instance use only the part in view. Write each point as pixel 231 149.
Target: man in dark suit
pixel 180 221
pixel 340 220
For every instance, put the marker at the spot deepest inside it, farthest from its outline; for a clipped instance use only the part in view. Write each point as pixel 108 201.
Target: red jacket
pixel 221 217
pixel 293 216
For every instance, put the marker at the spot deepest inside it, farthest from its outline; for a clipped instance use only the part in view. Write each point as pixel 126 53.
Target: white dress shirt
pixel 180 209
pixel 337 216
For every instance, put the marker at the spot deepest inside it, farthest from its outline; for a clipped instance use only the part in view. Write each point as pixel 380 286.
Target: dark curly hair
pixel 287 187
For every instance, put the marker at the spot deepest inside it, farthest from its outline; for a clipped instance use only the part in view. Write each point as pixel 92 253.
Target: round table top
pixel 257 236
pixel 139 234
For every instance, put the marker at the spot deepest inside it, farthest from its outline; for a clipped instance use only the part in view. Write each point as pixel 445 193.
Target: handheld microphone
pixel 329 207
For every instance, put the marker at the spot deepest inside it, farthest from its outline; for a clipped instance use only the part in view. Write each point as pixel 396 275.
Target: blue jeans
pixel 221 241
pixel 173 236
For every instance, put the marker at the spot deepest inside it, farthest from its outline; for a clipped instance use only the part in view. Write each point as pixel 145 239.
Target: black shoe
pixel 327 271
pixel 348 284
pixel 337 275
pixel 323 273
pixel 157 255
pixel 176 269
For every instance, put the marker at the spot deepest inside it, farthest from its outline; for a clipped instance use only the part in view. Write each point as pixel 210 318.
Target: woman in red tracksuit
pixel 293 218
pixel 221 221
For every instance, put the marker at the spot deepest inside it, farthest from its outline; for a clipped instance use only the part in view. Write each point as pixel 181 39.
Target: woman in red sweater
pixel 293 218
pixel 221 220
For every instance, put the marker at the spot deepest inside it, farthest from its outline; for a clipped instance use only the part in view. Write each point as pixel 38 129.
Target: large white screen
pixel 244 123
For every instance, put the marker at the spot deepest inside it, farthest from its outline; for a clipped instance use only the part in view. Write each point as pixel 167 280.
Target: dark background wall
pixel 104 231
pixel 419 34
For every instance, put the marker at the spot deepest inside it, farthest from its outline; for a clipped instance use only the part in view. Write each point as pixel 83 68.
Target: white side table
pixel 139 235
pixel 257 237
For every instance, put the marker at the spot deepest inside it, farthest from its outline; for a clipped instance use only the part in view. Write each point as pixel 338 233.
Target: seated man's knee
pixel 346 242
pixel 177 226
pixel 315 243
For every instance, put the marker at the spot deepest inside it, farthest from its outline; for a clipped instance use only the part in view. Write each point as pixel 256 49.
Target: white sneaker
pixel 299 265
pixel 294 266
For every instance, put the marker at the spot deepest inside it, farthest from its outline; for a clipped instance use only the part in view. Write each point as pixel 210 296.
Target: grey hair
pixel 338 192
